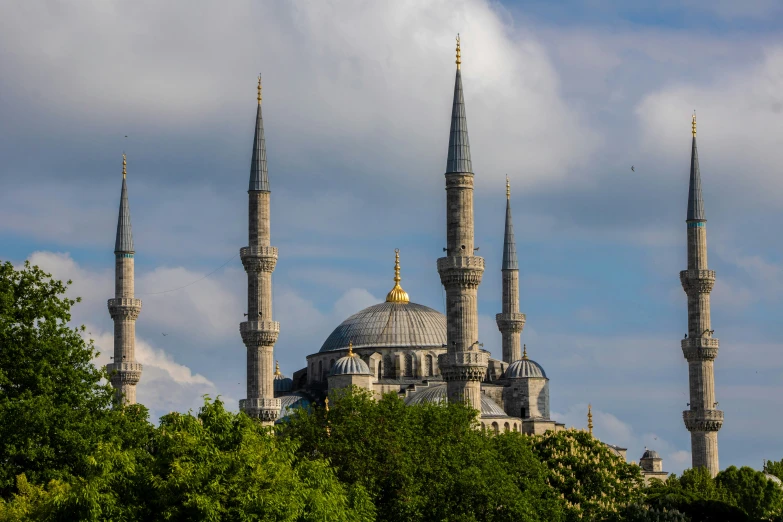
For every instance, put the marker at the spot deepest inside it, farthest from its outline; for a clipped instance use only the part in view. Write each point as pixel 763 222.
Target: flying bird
pixel 632 169
pixel 164 334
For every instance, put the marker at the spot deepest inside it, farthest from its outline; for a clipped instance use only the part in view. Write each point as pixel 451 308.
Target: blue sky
pixel 562 97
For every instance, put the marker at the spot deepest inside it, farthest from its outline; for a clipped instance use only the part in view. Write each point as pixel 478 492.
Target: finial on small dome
pixel 524 352
pixel 350 349
pixel 277 368
pixel 397 294
pixel 326 403
pixel 693 123
pixel 508 188
pixel 259 88
pixel 590 419
pixel 459 59
pixel 124 163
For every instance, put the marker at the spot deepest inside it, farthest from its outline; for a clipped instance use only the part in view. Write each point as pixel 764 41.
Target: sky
pixel 562 97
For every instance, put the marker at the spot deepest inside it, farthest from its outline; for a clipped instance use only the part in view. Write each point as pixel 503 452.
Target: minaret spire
pixel 464 364
pixel 590 419
pixel 510 322
pixel 703 420
pixel 259 177
pixel 124 371
pixel 259 332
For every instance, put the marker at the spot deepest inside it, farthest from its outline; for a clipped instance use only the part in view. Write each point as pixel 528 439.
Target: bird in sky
pixel 632 169
pixel 164 334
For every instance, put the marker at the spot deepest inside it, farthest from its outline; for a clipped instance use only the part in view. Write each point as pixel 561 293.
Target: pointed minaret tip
pixel 459 58
pixel 124 166
pixel 508 189
pixel 259 88
pixel 510 261
pixel 693 124
pixel 590 419
pixel 259 177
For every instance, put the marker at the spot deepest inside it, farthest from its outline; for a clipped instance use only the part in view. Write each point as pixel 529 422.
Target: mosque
pixel 406 348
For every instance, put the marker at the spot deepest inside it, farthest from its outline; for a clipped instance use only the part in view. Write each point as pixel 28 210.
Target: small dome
pixel 281 383
pixel 774 479
pixel 650 454
pixel 524 368
pixel 351 364
pixel 437 395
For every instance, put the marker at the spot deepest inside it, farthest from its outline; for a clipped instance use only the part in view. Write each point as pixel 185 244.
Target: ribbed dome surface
pixel 289 403
pixel 650 454
pixel 390 325
pixel 350 365
pixel 524 368
pixel 437 395
pixel 282 383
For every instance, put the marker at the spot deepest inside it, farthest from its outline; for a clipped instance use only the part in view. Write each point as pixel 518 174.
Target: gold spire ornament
pixel 397 294
pixel 459 60
pixel 590 419
pixel 259 89
pixel 277 369
pixel 124 164
pixel 524 352
pixel 693 124
pixel 508 189
pixel 350 349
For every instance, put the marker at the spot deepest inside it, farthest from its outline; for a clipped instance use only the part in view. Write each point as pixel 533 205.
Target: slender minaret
pixel 124 372
pixel 259 332
pixel 703 419
pixel 510 322
pixel 464 365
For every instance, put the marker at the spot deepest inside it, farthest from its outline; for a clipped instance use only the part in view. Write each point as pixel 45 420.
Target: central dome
pixel 390 324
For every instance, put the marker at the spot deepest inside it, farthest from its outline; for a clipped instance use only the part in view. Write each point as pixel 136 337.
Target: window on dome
pixel 408 365
pixel 428 366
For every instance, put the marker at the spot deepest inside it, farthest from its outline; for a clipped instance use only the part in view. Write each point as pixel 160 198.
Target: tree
pixel 594 482
pixel 54 407
pixel 774 468
pixel 751 491
pixel 425 462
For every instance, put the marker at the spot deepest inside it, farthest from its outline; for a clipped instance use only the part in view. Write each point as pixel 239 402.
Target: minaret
pixel 703 420
pixel 464 365
pixel 590 419
pixel 259 332
pixel 124 372
pixel 510 322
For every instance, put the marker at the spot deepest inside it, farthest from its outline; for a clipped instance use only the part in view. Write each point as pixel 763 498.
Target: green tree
pixel 425 462
pixel 774 467
pixel 594 482
pixel 54 408
pixel 751 491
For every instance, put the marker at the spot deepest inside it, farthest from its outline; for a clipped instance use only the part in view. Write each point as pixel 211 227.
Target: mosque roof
pixel 650 454
pixel 281 383
pixel 351 364
pixel 395 323
pixel 774 479
pixel 290 402
pixel 524 367
pixel 437 395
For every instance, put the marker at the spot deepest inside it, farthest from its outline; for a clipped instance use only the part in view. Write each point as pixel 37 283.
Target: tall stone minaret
pixel 259 332
pixel 510 322
pixel 124 372
pixel 464 365
pixel 703 419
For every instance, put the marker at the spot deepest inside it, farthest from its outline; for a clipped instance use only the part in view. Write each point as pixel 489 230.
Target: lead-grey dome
pixel 390 324
pixel 350 365
pixel 650 454
pixel 437 395
pixel 524 368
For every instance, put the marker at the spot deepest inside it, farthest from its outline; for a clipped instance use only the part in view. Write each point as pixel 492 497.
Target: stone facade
pixel 124 372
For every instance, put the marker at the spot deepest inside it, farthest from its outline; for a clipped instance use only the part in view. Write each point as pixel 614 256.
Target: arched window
pixel 380 369
pixel 495 427
pixel 388 367
pixel 515 427
pixel 428 370
pixel 408 365
pixel 506 427
pixel 320 370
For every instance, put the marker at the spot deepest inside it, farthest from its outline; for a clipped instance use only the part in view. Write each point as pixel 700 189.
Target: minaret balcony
pixel 703 420
pixel 464 366
pixel 700 281
pixel 124 372
pixel 699 348
pixel 263 408
pixel 258 259
pixel 259 333
pixel 511 322
pixel 462 271
pixel 124 307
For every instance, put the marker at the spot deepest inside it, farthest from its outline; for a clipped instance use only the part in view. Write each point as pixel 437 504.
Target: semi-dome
pixel 351 364
pixel 437 395
pixel 281 383
pixel 394 323
pixel 290 403
pixel 524 367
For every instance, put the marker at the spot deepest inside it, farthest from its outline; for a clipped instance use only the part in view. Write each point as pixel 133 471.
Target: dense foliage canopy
pixel 66 454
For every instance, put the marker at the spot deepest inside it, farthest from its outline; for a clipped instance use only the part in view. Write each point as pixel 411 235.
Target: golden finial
pixel 508 188
pixel 459 60
pixel 124 163
pixel 524 352
pixel 326 403
pixel 693 124
pixel 397 294
pixel 259 89
pixel 277 368
pixel 590 419
pixel 350 349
